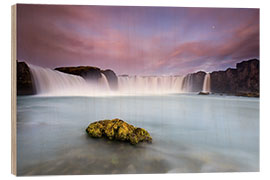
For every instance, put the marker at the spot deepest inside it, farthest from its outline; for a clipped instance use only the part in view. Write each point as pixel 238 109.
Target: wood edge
pixel 13 89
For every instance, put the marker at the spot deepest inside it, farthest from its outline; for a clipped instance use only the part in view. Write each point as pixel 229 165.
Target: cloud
pixel 137 40
pixel 241 42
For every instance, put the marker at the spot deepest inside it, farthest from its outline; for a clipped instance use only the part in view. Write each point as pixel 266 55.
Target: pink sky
pixel 137 40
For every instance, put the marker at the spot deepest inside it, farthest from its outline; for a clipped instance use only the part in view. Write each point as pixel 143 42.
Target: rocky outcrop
pixel 242 80
pixel 248 94
pixel 25 84
pixel 224 81
pixel 203 93
pixel 92 74
pixel 196 80
pixel 117 129
pixel 112 78
pixel 87 72
pixel 248 76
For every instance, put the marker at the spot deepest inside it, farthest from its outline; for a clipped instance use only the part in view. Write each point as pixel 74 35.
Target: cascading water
pixel 149 84
pixel 54 83
pixel 207 83
pixel 103 83
pixel 187 83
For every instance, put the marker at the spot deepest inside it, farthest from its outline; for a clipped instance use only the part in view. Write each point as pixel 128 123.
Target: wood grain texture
pixel 13 91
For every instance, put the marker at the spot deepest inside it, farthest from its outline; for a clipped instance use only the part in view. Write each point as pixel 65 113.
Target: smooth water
pixel 191 133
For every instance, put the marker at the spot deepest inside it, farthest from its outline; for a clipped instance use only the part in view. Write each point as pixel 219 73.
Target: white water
pixel 150 84
pixel 103 83
pixel 187 83
pixel 50 82
pixel 207 83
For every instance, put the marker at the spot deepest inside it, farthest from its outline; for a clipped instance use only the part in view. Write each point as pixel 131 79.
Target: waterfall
pixel 207 83
pixel 54 83
pixel 103 83
pixel 149 84
pixel 187 83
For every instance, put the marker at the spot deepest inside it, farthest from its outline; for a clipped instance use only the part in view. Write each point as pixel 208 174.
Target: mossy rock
pixel 117 129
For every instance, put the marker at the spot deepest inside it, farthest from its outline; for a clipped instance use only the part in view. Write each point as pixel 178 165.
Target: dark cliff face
pixel 224 81
pixel 92 74
pixel 194 82
pixel 245 78
pixel 112 78
pixel 87 72
pixel 25 85
pixel 248 76
pixel 242 80
pixel 198 79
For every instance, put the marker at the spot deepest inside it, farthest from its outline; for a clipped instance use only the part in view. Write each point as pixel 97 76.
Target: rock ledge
pixel 203 93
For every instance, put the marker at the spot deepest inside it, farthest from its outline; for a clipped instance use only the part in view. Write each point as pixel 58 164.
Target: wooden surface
pixel 13 91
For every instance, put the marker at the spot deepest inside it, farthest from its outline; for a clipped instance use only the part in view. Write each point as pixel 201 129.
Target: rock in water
pixel 248 94
pixel 203 93
pixel 117 129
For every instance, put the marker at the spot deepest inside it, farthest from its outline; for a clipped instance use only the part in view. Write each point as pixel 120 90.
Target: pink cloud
pixel 129 43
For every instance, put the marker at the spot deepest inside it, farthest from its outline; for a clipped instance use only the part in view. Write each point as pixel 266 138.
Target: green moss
pixel 117 129
pixel 95 130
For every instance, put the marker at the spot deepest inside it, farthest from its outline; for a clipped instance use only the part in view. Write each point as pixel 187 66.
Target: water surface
pixel 191 133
